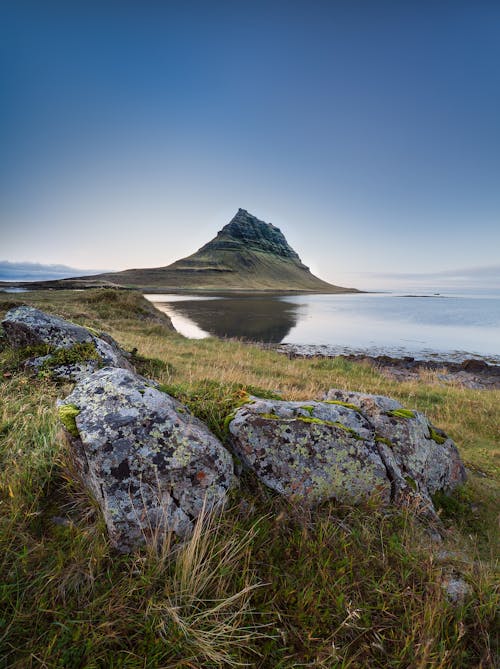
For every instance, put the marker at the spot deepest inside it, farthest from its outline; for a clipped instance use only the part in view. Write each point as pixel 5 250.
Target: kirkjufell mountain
pixel 247 254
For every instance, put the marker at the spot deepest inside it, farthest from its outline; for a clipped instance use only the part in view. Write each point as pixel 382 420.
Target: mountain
pixel 247 254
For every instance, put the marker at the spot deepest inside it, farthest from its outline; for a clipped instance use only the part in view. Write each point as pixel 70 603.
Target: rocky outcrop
pixel 247 230
pixel 150 464
pixel 420 458
pixel 310 450
pixel 350 447
pixel 74 351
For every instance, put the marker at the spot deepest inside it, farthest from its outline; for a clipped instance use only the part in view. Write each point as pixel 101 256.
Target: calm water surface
pixel 450 327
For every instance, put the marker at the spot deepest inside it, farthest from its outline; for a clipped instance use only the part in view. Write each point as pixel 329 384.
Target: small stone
pixel 456 589
pixel 59 520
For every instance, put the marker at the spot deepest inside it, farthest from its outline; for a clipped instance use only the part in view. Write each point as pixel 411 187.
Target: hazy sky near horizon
pixel 368 132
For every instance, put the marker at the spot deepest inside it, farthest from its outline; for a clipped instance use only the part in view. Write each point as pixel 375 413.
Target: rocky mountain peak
pixel 247 254
pixel 246 229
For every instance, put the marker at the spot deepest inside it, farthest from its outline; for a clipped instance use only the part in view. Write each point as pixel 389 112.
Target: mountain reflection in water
pixel 454 327
pixel 248 318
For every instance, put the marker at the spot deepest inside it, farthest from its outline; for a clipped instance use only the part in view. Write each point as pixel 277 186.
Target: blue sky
pixel 368 132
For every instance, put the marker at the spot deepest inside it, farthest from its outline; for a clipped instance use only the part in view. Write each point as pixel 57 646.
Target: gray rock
pixel 420 458
pixel 247 230
pixel 457 590
pixel 349 447
pixel 310 450
pixel 73 371
pixel 150 464
pixel 27 326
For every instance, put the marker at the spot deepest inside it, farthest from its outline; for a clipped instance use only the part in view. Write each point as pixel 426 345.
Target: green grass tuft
pixel 151 367
pixel 13 359
pixel 215 403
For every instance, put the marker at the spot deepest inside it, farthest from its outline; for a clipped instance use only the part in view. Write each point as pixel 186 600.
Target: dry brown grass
pixel 340 587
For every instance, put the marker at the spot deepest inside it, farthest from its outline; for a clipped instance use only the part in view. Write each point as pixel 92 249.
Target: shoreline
pixel 76 284
pixel 472 372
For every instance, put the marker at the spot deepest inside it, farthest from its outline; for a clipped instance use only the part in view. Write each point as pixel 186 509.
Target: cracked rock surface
pixel 27 326
pixel 311 450
pixel 149 463
pixel 349 447
pixel 420 458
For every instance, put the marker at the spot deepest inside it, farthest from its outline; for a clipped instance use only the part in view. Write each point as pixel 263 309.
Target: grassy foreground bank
pixel 264 583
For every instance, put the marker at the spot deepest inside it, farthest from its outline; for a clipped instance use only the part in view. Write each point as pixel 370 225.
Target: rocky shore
pixel 471 373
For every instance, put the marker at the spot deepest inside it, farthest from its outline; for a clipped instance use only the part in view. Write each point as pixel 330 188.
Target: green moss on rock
pixel 438 437
pixel 67 416
pixel 411 482
pixel 313 421
pixel 227 421
pixel 352 432
pixel 347 405
pixel 401 413
pixel 82 352
pixel 316 421
pixel 270 416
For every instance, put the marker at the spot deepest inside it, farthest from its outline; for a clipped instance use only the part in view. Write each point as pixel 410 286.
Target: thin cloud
pixel 30 271
pixel 492 271
pixel 468 278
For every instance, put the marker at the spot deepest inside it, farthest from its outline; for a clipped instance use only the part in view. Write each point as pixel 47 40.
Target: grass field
pixel 264 583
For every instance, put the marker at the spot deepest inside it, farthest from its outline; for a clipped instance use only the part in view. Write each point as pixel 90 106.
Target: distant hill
pixel 31 271
pixel 247 254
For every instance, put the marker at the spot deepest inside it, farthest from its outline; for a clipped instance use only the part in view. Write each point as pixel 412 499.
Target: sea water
pixel 444 326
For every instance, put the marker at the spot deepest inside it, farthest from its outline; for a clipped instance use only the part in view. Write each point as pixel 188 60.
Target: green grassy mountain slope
pixel 247 254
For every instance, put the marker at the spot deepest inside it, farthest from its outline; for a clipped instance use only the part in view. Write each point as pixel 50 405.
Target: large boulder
pixel 310 450
pixel 420 458
pixel 75 351
pixel 349 447
pixel 150 464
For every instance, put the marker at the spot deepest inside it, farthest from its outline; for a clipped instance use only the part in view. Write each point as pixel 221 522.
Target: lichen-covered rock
pixel 75 351
pixel 310 450
pixel 68 371
pixel 420 458
pixel 350 446
pixel 150 464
